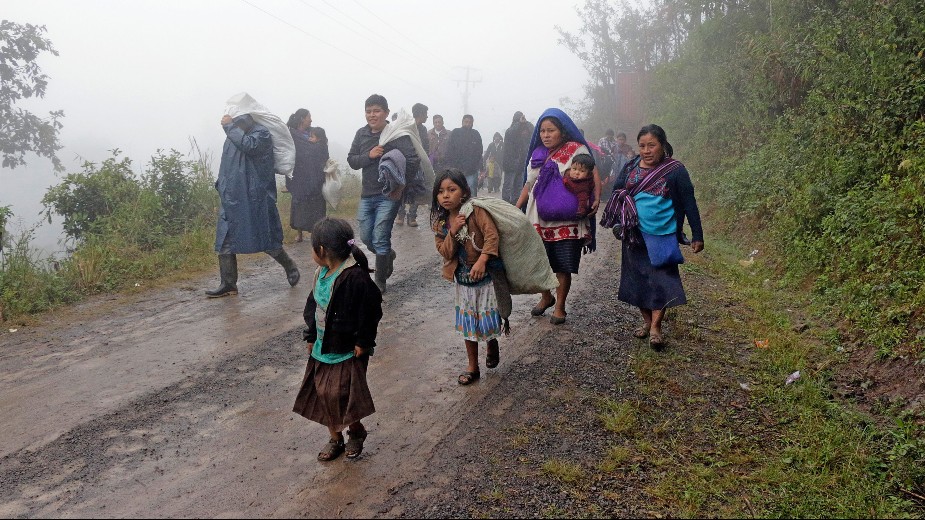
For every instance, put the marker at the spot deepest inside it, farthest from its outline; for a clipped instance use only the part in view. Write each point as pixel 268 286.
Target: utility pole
pixel 468 82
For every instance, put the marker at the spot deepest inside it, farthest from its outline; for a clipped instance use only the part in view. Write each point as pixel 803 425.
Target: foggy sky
pixel 143 75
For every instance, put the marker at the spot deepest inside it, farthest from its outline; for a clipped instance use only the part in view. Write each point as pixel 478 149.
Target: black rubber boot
pixel 292 272
pixel 390 267
pixel 380 276
pixel 228 271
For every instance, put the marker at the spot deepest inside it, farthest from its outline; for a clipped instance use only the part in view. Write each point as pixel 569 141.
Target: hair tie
pixel 351 242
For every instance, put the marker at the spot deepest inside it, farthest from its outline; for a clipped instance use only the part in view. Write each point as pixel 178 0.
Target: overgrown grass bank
pixel 805 129
pixel 754 445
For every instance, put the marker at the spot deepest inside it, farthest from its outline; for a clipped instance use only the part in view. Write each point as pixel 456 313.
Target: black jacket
pixel 516 142
pixel 358 158
pixel 681 191
pixel 464 150
pixel 353 314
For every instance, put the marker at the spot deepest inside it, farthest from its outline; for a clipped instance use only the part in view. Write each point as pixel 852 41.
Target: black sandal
pixel 331 450
pixel 354 446
pixel 492 359
pixel 538 311
pixel 467 378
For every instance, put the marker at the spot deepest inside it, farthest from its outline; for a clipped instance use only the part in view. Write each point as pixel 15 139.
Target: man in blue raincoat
pixel 248 221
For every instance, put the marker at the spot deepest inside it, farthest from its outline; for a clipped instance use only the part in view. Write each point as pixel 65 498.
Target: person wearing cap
pixel 248 219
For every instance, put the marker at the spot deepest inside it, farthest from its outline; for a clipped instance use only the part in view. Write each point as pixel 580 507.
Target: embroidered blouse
pixel 578 229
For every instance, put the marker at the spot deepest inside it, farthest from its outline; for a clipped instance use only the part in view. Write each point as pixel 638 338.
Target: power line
pixel 310 35
pixel 425 49
pixel 372 30
pixel 361 34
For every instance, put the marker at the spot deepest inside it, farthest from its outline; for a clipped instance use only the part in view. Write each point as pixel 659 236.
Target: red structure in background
pixel 629 93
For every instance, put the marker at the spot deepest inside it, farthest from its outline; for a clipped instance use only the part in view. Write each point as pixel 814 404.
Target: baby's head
pixel 582 167
pixel 317 134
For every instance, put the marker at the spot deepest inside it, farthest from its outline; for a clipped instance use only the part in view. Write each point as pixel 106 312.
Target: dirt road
pixel 164 403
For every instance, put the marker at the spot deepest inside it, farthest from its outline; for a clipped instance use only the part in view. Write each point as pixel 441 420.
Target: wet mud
pixel 164 403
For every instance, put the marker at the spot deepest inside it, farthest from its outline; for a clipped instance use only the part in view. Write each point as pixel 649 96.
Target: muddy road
pixel 165 403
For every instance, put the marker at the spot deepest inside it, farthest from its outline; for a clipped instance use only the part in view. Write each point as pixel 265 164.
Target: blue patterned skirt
pixel 477 316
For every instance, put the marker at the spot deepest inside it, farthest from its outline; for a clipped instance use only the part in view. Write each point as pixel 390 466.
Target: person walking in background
pixel 377 210
pixel 342 313
pixel 623 154
pixel 658 190
pixel 419 112
pixel 311 152
pixel 248 219
pixel 516 144
pixel 608 146
pixel 553 209
pixel 494 156
pixel 466 261
pixel 438 137
pixel 464 152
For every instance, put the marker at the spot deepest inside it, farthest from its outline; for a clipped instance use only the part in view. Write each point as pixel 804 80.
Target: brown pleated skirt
pixel 335 395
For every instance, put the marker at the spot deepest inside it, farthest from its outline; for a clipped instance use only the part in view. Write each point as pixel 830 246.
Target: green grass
pixel 811 455
pixel 617 416
pixel 563 471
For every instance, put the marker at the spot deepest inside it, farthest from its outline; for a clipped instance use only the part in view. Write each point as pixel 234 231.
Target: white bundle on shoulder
pixel 331 190
pixel 283 146
pixel 404 125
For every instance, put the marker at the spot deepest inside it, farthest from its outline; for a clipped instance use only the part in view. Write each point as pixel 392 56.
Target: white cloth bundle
pixel 283 146
pixel 404 125
pixel 331 190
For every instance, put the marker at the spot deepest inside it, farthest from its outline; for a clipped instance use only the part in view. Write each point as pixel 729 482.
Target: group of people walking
pixel 548 171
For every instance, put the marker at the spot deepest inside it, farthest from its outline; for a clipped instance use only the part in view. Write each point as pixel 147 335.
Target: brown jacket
pixel 482 230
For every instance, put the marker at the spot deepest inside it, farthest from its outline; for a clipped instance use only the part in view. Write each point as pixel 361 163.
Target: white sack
pixel 404 125
pixel 331 190
pixel 283 147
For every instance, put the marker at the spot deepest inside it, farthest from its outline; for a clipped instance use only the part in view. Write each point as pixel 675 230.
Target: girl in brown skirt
pixel 342 313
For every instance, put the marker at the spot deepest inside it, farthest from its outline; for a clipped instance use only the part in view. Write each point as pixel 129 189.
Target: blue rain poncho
pixel 248 220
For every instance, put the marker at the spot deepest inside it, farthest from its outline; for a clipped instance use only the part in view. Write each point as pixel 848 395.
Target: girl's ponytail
pixel 360 258
pixel 336 237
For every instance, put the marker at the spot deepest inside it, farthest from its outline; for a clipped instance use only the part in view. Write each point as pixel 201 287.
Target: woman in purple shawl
pixel 556 140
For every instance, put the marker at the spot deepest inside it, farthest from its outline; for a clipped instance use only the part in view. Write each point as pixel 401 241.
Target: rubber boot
pixel 292 272
pixel 380 276
pixel 390 267
pixel 228 271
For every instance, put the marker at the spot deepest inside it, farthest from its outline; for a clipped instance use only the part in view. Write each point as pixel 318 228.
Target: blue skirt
pixel 564 255
pixel 648 287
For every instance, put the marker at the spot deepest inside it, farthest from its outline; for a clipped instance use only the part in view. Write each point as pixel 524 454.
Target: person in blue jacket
pixel 248 220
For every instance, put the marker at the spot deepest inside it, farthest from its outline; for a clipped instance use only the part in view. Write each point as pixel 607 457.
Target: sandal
pixel 656 341
pixel 354 446
pixel 331 450
pixel 493 358
pixel 538 311
pixel 467 378
pixel 641 332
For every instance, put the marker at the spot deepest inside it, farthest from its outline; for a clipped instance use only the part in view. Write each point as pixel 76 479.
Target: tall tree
pixel 21 78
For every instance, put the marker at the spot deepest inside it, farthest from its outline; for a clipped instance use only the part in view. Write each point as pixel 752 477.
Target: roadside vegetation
pixel 754 445
pixel 123 230
pixel 803 124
